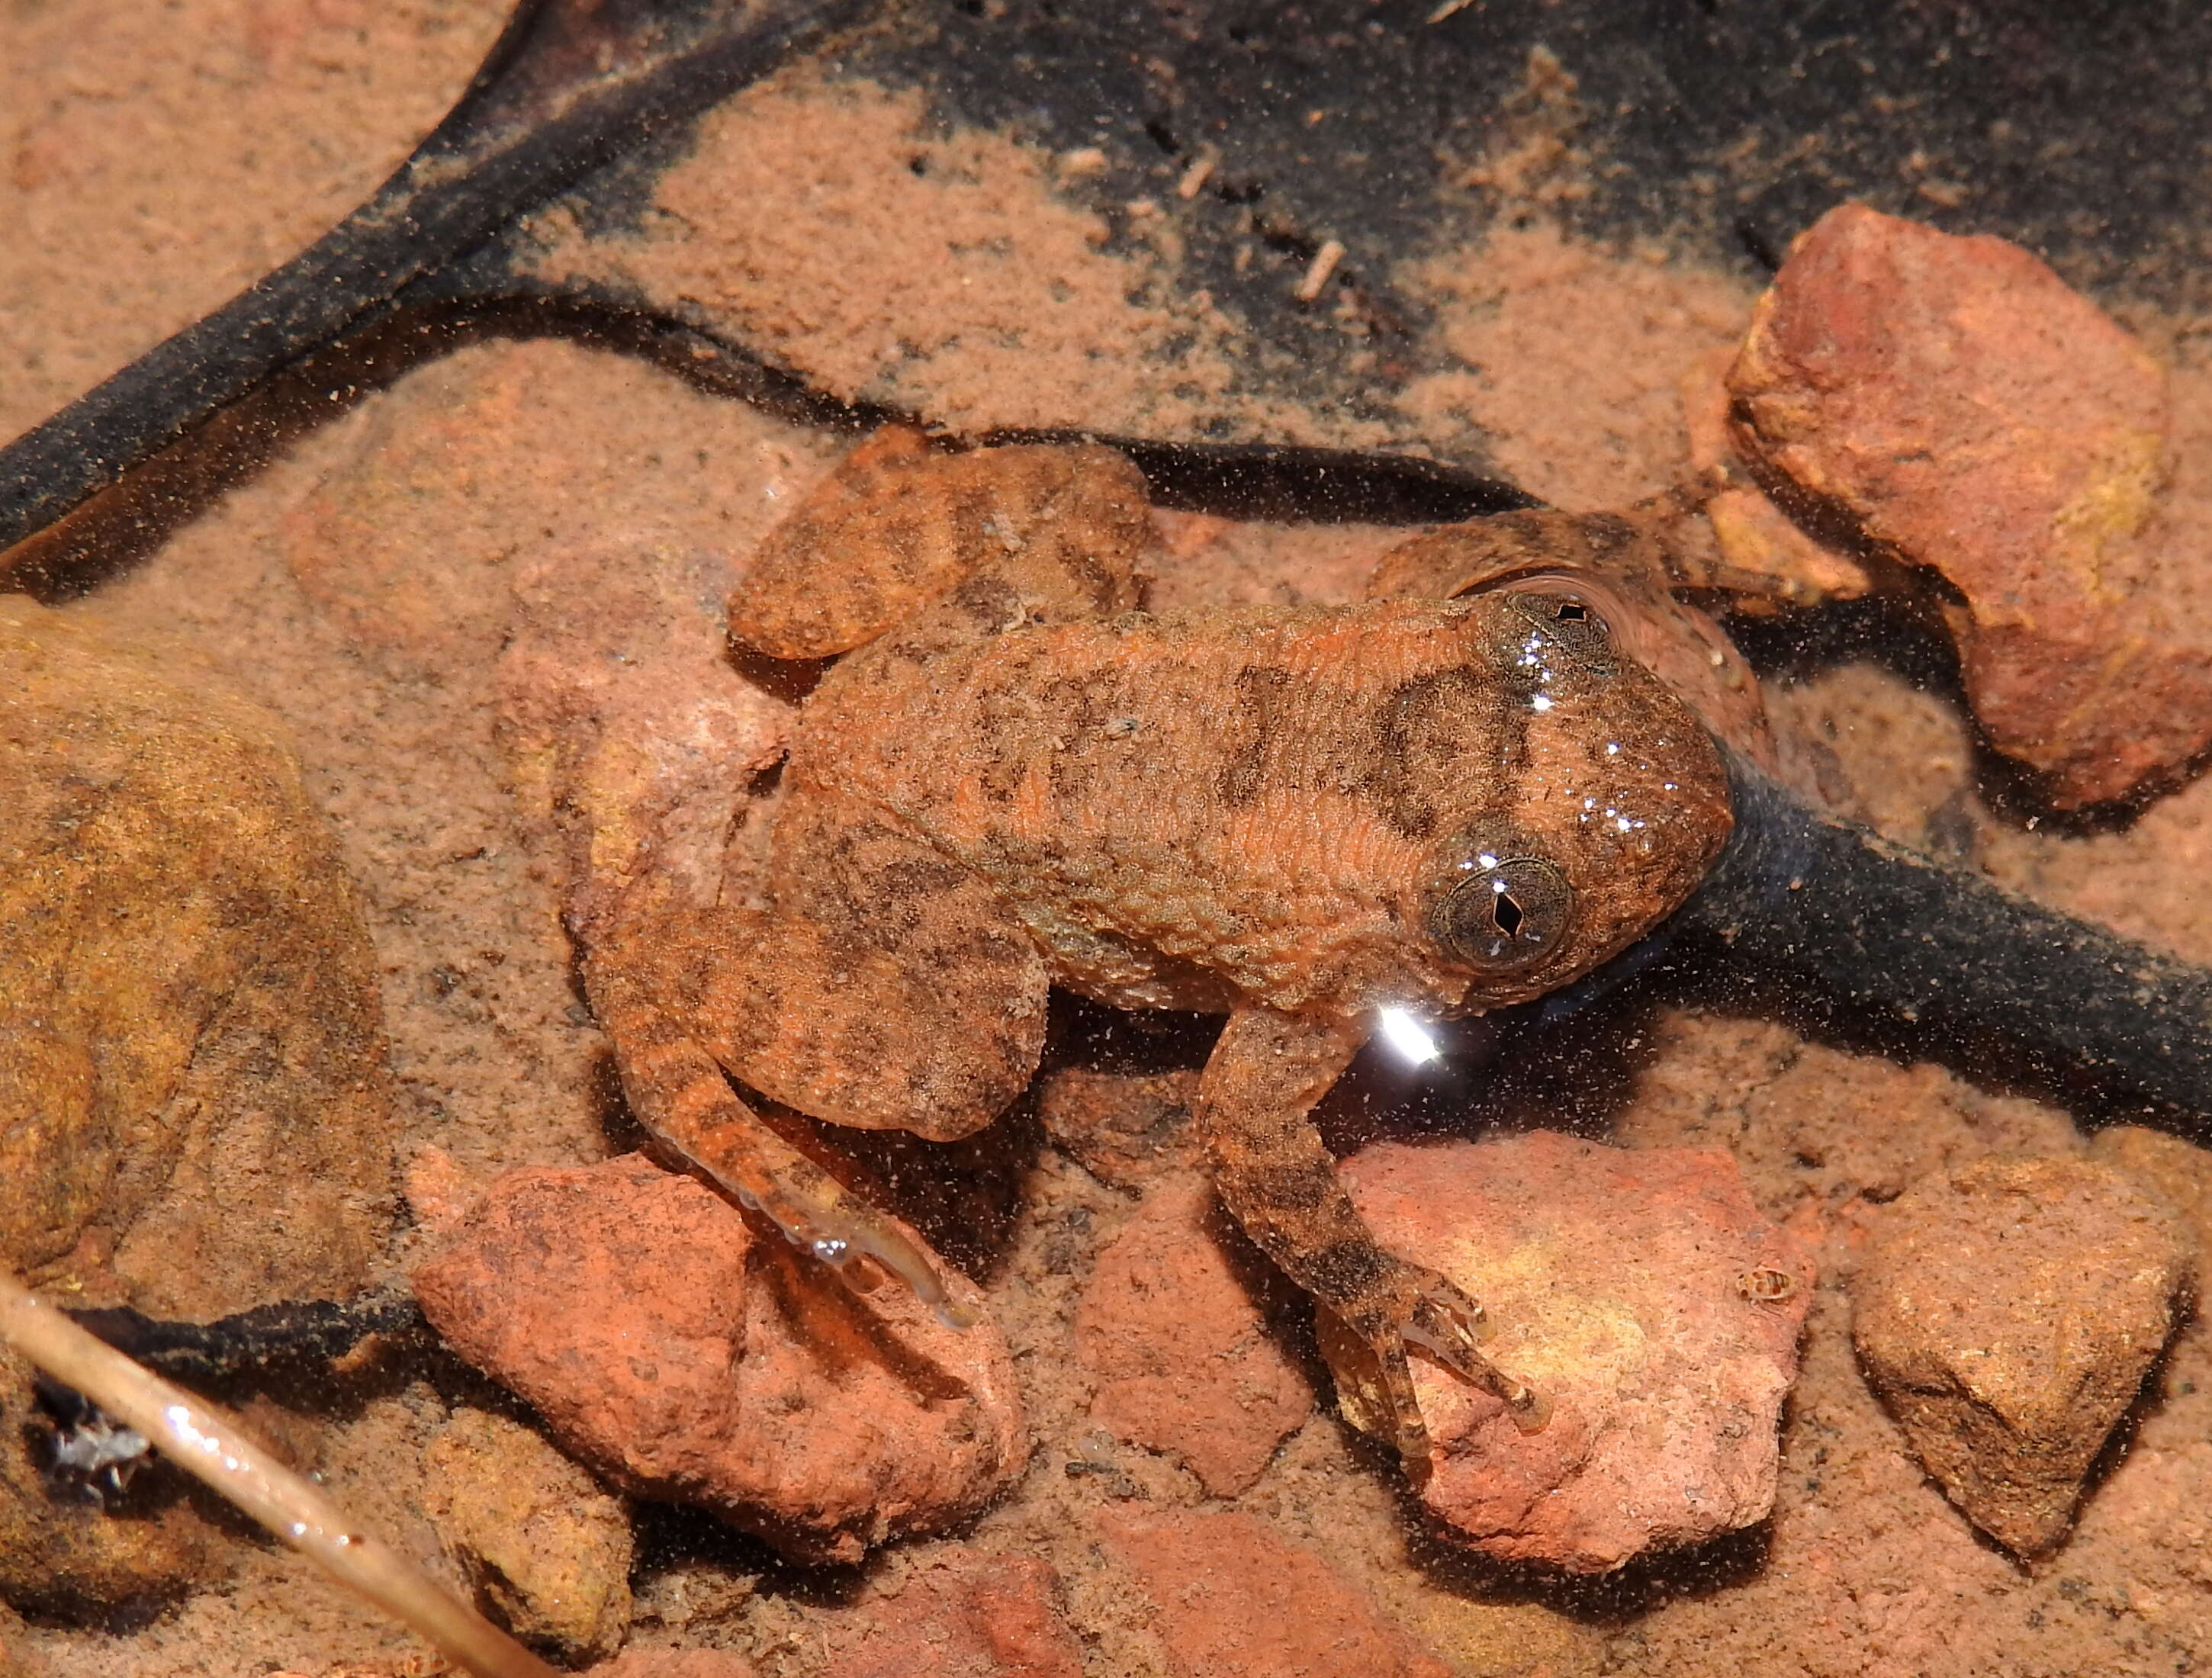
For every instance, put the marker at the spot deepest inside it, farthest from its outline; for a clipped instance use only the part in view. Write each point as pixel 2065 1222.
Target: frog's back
pixel 1080 735
pixel 1256 794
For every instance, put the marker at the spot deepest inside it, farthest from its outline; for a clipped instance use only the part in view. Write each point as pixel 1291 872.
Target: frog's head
pixel 1603 804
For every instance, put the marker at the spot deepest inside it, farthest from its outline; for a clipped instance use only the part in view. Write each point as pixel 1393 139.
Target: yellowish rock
pixel 192 1056
pixel 195 1114
pixel 548 1552
pixel 2007 1312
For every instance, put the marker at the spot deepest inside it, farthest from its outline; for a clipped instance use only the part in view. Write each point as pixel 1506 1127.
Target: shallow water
pixel 372 584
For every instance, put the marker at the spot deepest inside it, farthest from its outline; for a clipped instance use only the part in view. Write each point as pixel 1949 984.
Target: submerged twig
pixel 210 1444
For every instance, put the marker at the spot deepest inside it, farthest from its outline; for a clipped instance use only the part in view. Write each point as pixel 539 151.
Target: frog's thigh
pixel 982 540
pixel 887 989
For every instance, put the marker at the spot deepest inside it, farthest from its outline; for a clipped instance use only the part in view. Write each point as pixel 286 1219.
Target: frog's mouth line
pixel 1933 960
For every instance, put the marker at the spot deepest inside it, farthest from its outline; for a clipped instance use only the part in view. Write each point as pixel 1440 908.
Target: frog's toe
pixel 1409 1431
pixel 1444 1322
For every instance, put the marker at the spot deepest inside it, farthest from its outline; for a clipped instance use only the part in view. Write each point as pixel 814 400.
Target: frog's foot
pixel 678 1092
pixel 1447 1324
pixel 1419 1308
pixel 1255 1102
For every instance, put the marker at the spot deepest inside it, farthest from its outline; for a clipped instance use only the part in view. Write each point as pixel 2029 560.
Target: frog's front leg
pixel 1255 1099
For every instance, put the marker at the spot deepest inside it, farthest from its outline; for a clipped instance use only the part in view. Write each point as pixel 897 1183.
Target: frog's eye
pixel 1568 610
pixel 1503 912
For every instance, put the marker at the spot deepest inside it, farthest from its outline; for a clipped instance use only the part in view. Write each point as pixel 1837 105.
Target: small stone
pixel 960 1613
pixel 1169 1328
pixel 1510 1639
pixel 548 1552
pixel 1123 1127
pixel 1639 1291
pixel 1230 1594
pixel 686 1359
pixel 630 742
pixel 1755 536
pixel 1962 406
pixel 2007 1312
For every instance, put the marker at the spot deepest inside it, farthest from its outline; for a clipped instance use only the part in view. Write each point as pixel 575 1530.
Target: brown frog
pixel 1302 817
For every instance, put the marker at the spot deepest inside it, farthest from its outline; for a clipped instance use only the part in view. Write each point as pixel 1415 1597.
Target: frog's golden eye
pixel 1503 912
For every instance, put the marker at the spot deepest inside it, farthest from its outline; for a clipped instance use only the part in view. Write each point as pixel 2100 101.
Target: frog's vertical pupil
pixel 1506 913
pixel 1503 912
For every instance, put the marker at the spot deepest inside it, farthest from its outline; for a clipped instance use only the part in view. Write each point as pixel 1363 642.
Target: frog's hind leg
pixel 885 988
pixel 889 987
pixel 677 1091
pixel 947 547
pixel 1255 1099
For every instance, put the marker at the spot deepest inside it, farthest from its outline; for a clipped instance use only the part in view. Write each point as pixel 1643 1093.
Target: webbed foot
pixel 1421 1308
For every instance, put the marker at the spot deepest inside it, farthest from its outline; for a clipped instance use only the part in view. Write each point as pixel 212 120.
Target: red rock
pixel 1230 1595
pixel 2007 1312
pixel 1184 1363
pixel 1631 1287
pixel 688 1360
pixel 961 1613
pixel 1974 416
pixel 627 736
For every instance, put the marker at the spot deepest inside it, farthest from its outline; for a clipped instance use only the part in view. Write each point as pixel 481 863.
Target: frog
pixel 1311 820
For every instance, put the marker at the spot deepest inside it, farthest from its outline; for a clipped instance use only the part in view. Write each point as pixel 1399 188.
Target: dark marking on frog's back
pixel 1440 729
pixel 868 889
pixel 1089 749
pixel 1009 714
pixel 989 601
pixel 1085 567
pixel 1262 710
